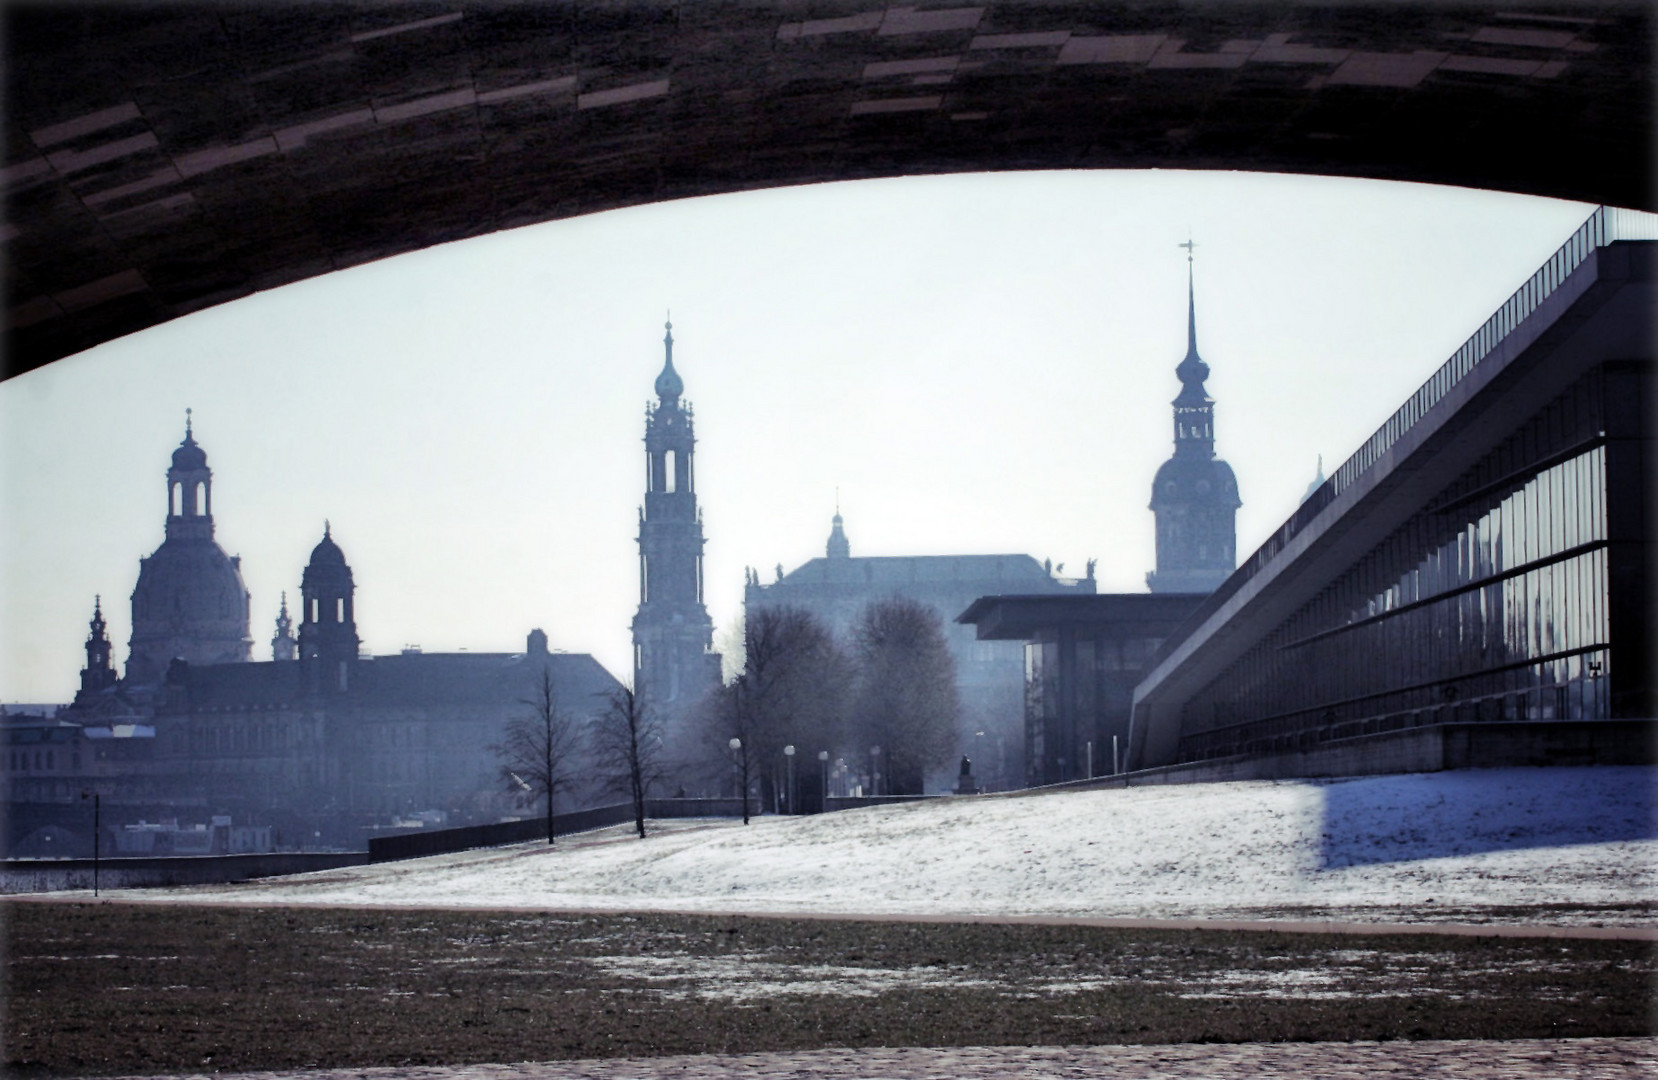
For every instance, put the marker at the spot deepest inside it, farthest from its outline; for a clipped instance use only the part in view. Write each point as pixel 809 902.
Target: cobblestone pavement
pixel 1582 1059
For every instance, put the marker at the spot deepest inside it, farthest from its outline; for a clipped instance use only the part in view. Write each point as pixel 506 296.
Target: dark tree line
pixel 892 687
pixel 906 694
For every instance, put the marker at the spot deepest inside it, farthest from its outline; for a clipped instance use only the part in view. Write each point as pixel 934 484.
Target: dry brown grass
pixel 126 988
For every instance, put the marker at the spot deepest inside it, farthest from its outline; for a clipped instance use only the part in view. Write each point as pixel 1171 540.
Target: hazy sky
pixel 980 363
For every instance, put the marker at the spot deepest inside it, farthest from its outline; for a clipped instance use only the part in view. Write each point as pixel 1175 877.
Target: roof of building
pixel 896 570
pixel 1018 618
pixel 409 679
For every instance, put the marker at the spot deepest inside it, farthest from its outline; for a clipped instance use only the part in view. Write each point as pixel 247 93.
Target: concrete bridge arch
pixel 164 158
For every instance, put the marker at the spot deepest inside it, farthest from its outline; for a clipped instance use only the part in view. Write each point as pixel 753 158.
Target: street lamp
pixel 788 752
pixel 97 839
pixel 874 770
pixel 740 759
pixel 823 763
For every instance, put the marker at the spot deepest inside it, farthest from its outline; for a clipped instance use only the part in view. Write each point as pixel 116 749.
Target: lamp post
pixel 788 752
pixel 740 759
pixel 874 771
pixel 97 840
pixel 823 764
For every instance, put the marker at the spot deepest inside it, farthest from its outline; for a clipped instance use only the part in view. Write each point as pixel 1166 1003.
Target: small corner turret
pixel 328 617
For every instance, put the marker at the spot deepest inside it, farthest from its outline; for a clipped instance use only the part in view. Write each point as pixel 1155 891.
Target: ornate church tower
pixel 839 547
pixel 672 634
pixel 190 602
pixel 98 675
pixel 328 622
pixel 283 645
pixel 1195 495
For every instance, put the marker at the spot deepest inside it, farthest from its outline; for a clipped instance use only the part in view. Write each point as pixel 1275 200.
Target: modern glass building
pixel 1485 558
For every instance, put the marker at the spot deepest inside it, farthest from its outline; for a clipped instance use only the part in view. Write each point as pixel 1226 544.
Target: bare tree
pixel 628 745
pixel 728 731
pixel 794 688
pixel 538 750
pixel 906 696
pixel 796 685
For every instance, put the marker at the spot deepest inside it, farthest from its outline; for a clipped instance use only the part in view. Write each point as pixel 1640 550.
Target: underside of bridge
pixel 163 158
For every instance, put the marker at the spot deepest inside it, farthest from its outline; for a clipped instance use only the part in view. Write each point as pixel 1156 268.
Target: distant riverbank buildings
pixel 320 743
pixel 1476 585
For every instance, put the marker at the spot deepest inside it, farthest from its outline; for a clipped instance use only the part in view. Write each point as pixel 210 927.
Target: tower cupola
pixel 839 546
pixel 283 645
pixel 189 490
pixel 328 620
pixel 668 384
pixel 98 675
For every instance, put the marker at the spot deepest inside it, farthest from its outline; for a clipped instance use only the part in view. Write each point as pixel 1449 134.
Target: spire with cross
pixel 1195 495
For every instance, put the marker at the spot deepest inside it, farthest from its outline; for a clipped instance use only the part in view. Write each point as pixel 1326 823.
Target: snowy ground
pixel 1563 845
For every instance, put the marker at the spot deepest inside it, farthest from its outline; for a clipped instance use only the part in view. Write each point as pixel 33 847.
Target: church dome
pixel 327 560
pixel 190 602
pixel 189 457
pixel 1188 479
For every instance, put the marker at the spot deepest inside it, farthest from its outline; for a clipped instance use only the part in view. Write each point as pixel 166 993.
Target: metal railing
pixel 1606 225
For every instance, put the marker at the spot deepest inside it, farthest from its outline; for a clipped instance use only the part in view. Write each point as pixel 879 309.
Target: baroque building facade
pixel 1195 494
pixel 334 744
pixel 674 665
pixel 322 745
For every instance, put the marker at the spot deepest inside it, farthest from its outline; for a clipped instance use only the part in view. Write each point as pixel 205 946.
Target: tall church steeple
pixel 1195 495
pixel 672 633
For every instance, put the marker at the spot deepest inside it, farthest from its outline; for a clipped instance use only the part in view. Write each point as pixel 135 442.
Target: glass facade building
pixel 1476 584
pixel 1493 602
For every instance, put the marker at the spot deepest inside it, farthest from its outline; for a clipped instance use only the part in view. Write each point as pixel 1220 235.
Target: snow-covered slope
pixel 1505 844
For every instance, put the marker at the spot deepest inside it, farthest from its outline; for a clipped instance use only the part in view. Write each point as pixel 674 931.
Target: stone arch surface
pixel 164 158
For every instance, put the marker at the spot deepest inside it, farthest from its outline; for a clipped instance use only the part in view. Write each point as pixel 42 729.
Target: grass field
pixel 126 988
